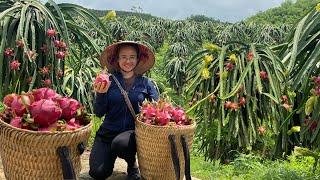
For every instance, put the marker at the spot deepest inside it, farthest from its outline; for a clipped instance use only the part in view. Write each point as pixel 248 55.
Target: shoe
pixel 133 174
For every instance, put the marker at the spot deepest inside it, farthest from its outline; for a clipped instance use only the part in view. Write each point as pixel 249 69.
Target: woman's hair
pixel 135 46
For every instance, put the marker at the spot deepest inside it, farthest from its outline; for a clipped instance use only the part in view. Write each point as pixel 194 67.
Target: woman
pixel 127 61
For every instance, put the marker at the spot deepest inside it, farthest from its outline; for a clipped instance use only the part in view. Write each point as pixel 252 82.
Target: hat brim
pixel 146 58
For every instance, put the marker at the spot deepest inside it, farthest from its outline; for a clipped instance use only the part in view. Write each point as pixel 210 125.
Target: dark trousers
pixel 105 150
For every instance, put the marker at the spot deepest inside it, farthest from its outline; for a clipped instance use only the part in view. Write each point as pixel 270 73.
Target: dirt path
pixel 119 173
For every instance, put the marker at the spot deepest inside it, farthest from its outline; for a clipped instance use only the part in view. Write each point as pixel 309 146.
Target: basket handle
pixel 81 147
pixel 186 156
pixel 174 155
pixel 66 163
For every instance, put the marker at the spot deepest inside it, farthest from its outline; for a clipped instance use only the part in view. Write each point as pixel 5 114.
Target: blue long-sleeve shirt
pixel 112 104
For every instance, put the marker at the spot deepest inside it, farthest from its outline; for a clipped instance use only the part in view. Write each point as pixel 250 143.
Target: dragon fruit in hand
pixel 102 77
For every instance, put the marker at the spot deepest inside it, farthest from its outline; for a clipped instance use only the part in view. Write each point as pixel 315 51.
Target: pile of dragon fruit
pixel 162 113
pixel 43 110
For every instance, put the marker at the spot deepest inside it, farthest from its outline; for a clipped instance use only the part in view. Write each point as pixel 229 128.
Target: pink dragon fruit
pixel 178 115
pixel 16 122
pixel 7 100
pixel 45 112
pixel 162 117
pixel 44 93
pixel 102 78
pixel 73 124
pixel 20 103
pixel 148 111
pixel 69 107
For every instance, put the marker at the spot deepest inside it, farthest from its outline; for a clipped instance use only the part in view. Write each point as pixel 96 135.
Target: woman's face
pixel 127 58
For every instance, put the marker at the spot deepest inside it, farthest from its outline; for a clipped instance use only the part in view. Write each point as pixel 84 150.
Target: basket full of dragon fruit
pixel 33 125
pixel 156 123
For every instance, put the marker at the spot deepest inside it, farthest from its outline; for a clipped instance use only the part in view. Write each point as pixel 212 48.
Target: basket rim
pixel 2 123
pixel 168 126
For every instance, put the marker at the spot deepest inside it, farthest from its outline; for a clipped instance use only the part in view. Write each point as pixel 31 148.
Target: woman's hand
pixel 101 87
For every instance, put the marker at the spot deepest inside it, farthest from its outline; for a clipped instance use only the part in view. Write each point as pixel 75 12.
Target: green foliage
pixel 253 167
pixel 202 18
pixel 289 12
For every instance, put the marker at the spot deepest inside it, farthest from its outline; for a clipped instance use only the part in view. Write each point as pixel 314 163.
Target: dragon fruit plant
pixel 43 110
pixel 162 113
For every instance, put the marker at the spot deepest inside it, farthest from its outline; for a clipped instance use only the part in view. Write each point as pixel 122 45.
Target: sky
pixel 224 10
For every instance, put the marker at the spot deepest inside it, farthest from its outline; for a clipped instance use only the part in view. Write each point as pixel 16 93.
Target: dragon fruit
pixel 69 107
pixel 148 111
pixel 242 101
pixel 103 77
pixel 73 124
pixel 162 117
pixel 51 32
pixel 14 65
pixel 7 100
pixel 44 93
pixel 178 115
pixel 16 122
pixel 162 113
pixel 316 80
pixel 263 75
pixel 20 103
pixel 45 112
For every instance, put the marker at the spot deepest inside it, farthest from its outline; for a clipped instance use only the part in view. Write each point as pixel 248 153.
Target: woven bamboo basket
pixel 154 153
pixel 32 155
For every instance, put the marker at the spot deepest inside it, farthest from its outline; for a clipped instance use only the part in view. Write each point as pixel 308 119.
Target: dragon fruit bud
pixel 16 122
pixel 102 78
pixel 44 93
pixel 69 107
pixel 45 112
